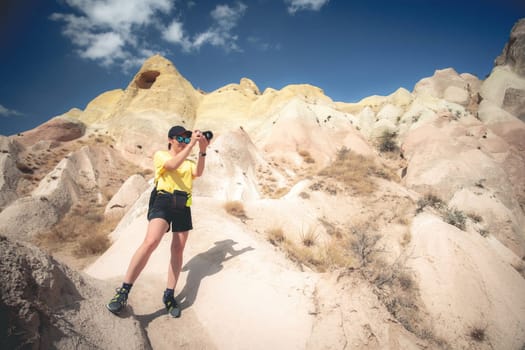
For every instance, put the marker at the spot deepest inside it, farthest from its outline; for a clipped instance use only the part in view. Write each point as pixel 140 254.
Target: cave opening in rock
pixel 147 79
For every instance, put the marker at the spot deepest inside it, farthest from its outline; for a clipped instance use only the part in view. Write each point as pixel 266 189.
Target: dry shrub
pixel 429 200
pixel 450 215
pixel 356 172
pixel 94 245
pixel 330 256
pixel 336 256
pixel 387 142
pixel 475 217
pixel 393 283
pixel 364 244
pixel 276 236
pixel 455 217
pixel 309 238
pixel 84 230
pixel 304 195
pixel 235 208
pixel 306 156
pixel 478 333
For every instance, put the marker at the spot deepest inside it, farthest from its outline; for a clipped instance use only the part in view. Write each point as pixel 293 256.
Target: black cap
pixel 176 131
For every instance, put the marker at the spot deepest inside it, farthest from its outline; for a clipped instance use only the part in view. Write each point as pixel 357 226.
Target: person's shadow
pixel 206 264
pixel 200 266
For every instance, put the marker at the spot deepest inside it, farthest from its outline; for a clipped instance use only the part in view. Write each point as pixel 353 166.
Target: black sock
pixel 168 294
pixel 127 286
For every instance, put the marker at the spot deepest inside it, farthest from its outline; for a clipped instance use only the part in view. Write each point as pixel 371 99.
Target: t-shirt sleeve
pixel 159 159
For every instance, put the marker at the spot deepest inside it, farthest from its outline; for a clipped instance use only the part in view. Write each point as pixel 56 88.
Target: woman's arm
pixel 178 159
pixel 203 144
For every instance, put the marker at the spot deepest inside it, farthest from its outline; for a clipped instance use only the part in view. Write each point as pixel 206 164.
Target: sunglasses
pixel 182 139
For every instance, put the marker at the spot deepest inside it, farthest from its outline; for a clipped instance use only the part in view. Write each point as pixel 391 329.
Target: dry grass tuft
pixel 83 232
pixel 276 236
pixel 307 157
pixel 356 172
pixel 429 200
pixel 309 238
pixel 478 333
pixel 235 208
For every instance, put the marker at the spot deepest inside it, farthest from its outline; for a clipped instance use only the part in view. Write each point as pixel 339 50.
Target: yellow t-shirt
pixel 170 180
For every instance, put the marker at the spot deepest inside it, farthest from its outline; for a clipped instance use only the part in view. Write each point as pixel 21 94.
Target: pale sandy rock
pixel 449 85
pixel 126 196
pixel 232 167
pixel 365 121
pixel 100 108
pixel 457 95
pixel 157 98
pixel 349 315
pixel 381 127
pixel 473 82
pixel 297 128
pixel 391 113
pixel 27 216
pixel 489 112
pixel 464 284
pixel 400 98
pixel 225 109
pixel 61 128
pixel 446 160
pixel 54 196
pixel 417 114
pixel 221 252
pixel 138 210
pixel 249 86
pixel 505 89
pixel 273 100
pixel 501 220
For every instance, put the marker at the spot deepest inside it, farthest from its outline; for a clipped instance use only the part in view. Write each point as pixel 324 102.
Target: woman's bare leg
pixel 178 242
pixel 156 229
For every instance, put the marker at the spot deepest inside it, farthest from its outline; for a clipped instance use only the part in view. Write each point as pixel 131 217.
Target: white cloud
pixel 220 34
pixel 6 112
pixel 261 45
pixel 227 17
pixel 115 32
pixel 106 47
pixel 174 33
pixel 304 5
pixel 110 31
pixel 120 14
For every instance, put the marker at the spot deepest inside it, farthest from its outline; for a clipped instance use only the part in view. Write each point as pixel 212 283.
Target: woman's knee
pixel 179 241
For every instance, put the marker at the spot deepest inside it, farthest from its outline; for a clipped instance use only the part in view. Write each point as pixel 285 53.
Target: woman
pixel 169 205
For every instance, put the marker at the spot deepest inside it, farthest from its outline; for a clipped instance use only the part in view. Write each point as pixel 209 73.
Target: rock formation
pixel 412 203
pixel 47 305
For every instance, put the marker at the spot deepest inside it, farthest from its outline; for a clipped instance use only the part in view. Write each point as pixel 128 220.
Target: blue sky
pixel 60 54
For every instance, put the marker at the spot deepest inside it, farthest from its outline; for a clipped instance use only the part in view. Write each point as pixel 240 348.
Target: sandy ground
pixel 229 300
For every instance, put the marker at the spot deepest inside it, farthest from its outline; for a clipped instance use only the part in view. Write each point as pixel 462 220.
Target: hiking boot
pixel 172 306
pixel 119 301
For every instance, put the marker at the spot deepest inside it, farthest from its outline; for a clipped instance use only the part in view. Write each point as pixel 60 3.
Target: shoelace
pixel 171 303
pixel 121 296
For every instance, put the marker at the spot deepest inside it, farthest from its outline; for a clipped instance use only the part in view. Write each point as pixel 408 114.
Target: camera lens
pixel 208 135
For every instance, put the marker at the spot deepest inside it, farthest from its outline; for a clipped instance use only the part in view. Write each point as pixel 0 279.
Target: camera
pixel 208 135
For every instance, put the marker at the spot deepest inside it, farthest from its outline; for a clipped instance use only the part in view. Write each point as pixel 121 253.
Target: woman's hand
pixel 203 144
pixel 196 136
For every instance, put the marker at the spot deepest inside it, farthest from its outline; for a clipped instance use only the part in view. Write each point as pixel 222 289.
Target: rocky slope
pixel 395 222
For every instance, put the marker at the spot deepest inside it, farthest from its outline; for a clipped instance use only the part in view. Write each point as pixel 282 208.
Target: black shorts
pixel 162 206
